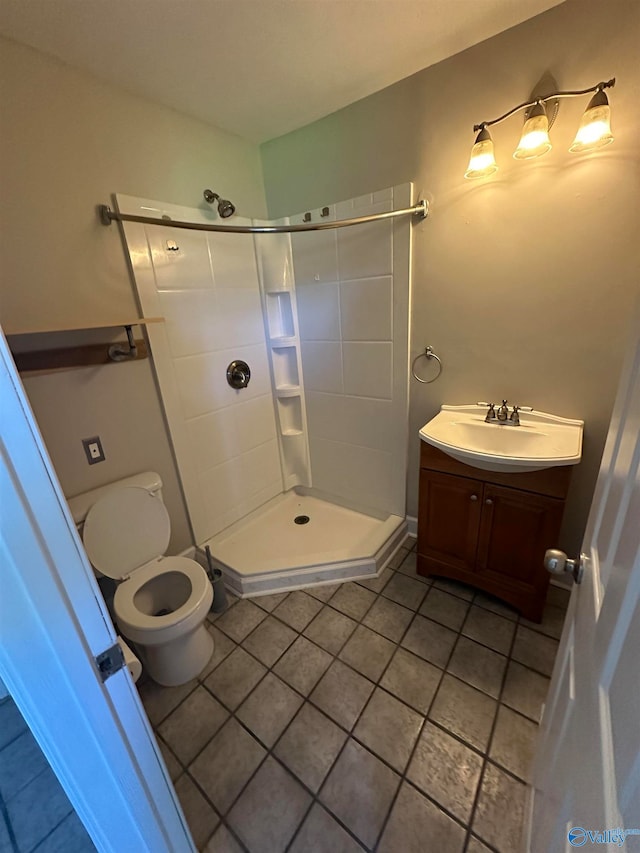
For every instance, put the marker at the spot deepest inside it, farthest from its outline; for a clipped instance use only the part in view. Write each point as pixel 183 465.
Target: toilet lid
pixel 125 529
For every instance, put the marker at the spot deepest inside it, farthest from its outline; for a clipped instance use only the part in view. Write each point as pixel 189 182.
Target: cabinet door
pixel 515 530
pixel 449 519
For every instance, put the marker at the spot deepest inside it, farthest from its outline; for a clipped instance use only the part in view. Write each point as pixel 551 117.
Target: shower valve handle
pixel 238 374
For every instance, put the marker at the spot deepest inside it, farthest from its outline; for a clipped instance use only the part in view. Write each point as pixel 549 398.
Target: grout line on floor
pixel 474 806
pixel 417 741
pixel 269 751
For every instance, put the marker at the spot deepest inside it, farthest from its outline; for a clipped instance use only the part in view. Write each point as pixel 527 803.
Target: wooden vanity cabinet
pixel 489 530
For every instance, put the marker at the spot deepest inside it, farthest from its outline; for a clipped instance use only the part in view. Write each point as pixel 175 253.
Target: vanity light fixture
pixel 540 112
pixel 595 125
pixel 482 161
pixel 534 141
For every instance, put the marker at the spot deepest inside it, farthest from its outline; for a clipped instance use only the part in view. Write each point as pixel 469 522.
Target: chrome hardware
pixel 491 414
pixel 502 416
pixel 514 420
pixel 473 498
pixel 503 412
pixel 420 210
pixel 117 353
pixel 172 246
pixel 489 501
pixel 238 374
pixel 558 563
pixel 110 662
pixel 226 208
pixel 428 354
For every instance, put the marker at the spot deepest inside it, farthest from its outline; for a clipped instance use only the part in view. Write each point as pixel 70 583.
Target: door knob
pixel 558 563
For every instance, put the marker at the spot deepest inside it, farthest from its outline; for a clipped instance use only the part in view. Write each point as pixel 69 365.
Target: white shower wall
pixel 208 292
pixel 352 290
pixel 335 329
pixel 275 264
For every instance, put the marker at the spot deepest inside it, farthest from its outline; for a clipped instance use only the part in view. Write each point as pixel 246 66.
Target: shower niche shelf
pixel 280 315
pixel 285 367
pixel 290 415
pixel 295 464
pixel 275 265
pixel 279 342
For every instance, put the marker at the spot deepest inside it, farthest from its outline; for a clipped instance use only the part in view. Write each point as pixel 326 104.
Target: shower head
pixel 225 207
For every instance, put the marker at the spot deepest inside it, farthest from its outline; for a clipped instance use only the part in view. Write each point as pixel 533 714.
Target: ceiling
pixel 257 68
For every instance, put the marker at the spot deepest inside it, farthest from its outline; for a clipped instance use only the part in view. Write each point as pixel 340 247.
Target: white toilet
pixel 160 603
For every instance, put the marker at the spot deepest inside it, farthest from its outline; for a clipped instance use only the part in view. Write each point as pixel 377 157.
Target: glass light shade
pixel 482 161
pixel 534 141
pixel 595 125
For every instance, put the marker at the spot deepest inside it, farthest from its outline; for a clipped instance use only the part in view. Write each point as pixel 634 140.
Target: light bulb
pixel 534 141
pixel 482 161
pixel 595 125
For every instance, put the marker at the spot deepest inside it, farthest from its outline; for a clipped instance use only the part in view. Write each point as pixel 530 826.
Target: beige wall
pixel 68 142
pixel 522 283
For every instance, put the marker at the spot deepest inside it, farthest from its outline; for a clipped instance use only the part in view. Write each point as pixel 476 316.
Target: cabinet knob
pixel 489 501
pixel 474 497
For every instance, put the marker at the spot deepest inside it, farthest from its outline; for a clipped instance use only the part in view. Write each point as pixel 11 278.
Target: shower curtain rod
pixel 107 216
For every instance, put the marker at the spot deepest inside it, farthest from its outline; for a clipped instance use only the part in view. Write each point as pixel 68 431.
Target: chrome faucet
pixel 502 417
pixel 503 412
pixel 491 414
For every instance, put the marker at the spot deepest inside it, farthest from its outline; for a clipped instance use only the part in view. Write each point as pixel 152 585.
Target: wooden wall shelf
pixel 85 327
pixel 80 355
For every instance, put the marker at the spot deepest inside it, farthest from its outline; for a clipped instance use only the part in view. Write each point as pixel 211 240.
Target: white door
pixel 53 624
pixel 587 773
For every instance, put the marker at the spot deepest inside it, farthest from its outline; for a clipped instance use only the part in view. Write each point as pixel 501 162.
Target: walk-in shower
pixel 320 433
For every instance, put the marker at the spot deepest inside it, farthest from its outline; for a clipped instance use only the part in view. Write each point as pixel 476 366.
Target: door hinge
pixel 110 661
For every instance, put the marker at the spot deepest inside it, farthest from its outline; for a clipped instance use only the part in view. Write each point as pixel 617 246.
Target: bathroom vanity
pixel 489 529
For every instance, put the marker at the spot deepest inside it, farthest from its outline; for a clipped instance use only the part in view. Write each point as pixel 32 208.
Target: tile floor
pixel 35 814
pixel 398 714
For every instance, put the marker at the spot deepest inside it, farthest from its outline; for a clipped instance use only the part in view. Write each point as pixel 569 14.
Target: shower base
pixel 268 551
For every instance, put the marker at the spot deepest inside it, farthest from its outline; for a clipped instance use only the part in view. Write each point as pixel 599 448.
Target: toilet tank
pixel 81 504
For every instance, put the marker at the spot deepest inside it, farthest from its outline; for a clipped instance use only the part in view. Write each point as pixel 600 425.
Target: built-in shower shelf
pixel 280 315
pixel 283 341
pixel 82 354
pixel 288 391
pixel 291 432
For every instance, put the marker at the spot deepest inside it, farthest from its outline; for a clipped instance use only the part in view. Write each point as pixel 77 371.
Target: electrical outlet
pixel 93 449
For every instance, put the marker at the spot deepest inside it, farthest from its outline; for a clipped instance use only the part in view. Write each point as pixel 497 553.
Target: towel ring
pixel 428 354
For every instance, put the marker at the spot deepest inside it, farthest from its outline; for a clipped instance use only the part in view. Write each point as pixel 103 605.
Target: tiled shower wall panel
pixel 352 287
pixel 207 290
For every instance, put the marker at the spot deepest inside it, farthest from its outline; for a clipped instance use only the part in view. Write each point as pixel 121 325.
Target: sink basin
pixel 541 441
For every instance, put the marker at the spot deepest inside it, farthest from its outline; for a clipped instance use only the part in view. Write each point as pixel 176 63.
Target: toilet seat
pixel 125 534
pixel 132 619
pixel 124 530
pixel 160 603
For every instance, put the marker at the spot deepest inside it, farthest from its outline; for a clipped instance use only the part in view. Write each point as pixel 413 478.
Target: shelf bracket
pixel 117 353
